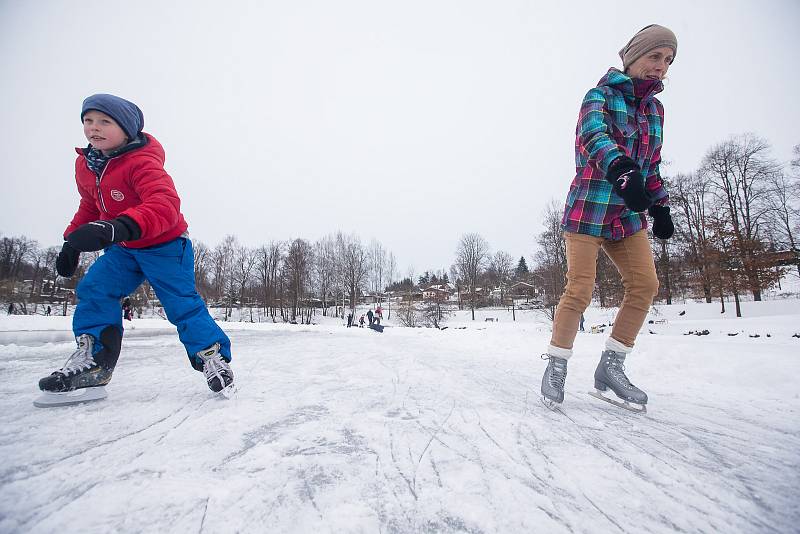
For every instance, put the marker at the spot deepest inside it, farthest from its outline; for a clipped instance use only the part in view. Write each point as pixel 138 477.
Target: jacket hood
pixel 616 79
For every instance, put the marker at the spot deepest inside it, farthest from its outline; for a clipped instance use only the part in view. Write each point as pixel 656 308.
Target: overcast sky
pixel 410 122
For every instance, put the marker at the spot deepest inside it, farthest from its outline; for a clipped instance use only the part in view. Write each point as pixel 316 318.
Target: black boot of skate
pixel 215 367
pixel 84 369
pixel 610 374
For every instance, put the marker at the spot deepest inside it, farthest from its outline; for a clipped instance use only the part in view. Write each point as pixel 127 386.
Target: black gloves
pixel 97 235
pixel 94 236
pixel 67 261
pixel 626 177
pixel 662 221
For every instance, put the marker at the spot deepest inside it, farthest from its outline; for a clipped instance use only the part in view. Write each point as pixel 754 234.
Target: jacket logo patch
pixel 117 195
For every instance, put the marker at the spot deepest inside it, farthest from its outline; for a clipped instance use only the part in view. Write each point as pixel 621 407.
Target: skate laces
pixel 214 365
pixel 558 371
pixel 81 359
pixel 617 369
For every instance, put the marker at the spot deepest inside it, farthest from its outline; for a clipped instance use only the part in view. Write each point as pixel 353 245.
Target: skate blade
pixel 630 406
pixel 49 399
pixel 551 405
pixel 229 391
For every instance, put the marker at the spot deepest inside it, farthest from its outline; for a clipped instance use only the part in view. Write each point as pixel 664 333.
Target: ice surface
pixel 414 430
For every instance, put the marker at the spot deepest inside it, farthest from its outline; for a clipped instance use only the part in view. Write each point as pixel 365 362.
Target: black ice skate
pixel 217 370
pixel 610 374
pixel 553 381
pixel 84 374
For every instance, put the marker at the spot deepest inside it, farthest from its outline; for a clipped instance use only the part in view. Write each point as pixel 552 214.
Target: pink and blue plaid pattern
pixel 614 122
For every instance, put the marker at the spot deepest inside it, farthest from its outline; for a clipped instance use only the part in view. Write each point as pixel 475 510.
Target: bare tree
pixel 353 264
pixel 783 202
pixel 377 266
pixel 299 261
pixel 502 266
pixel 730 274
pixel 740 169
pixel 391 274
pixel 550 269
pixel 224 285
pixel 456 281
pixel 202 269
pixel 50 255
pixel 36 257
pixel 269 259
pixel 472 256
pixel 14 252
pixel 244 265
pixel 689 197
pixel 325 269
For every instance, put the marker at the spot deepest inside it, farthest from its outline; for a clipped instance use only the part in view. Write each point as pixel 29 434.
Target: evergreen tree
pixel 522 268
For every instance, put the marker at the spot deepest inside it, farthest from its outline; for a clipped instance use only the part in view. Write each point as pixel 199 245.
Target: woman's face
pixel 651 66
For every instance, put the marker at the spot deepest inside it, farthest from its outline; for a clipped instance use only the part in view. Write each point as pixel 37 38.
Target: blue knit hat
pixel 127 114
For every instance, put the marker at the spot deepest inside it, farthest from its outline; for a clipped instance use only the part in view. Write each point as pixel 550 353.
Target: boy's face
pixel 103 132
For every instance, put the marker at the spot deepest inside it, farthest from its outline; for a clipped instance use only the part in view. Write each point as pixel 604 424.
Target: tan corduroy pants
pixel 633 259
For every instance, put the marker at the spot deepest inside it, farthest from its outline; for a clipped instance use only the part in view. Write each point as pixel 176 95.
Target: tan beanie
pixel 646 39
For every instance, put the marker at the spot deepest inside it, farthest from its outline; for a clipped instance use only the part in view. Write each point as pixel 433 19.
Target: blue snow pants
pixel 169 267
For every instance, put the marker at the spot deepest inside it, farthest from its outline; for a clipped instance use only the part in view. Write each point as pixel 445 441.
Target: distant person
pixel 127 312
pixel 370 317
pixel 361 321
pixel 582 319
pixel 48 311
pixel 349 319
pixel 379 312
pixel 133 215
pixel 617 157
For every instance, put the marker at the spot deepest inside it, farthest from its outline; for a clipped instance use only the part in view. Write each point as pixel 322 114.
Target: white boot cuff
pixel 559 352
pixel 617 346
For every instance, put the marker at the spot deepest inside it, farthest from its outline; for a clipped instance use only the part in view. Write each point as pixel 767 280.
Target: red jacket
pixel 133 184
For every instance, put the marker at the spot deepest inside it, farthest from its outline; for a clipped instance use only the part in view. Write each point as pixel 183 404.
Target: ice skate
pixel 84 374
pixel 610 374
pixel 217 370
pixel 553 381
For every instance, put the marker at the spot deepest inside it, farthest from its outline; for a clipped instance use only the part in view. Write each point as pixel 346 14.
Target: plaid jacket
pixel 614 122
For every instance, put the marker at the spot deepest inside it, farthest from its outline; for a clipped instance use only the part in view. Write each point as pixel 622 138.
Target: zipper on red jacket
pixel 100 195
pixel 99 192
pixel 97 181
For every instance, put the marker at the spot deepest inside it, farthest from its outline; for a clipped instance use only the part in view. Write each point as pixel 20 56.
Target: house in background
pixel 436 293
pixel 524 290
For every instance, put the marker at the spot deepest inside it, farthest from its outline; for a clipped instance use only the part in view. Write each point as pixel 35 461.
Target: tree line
pixel 737 218
pixel 287 279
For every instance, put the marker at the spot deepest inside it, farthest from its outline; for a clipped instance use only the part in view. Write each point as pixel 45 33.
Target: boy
pixel 129 207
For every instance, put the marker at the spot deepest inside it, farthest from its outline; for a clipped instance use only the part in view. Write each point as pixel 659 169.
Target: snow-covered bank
pixel 412 430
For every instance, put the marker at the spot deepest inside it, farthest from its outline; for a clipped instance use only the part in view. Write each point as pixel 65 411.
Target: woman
pixel 617 156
